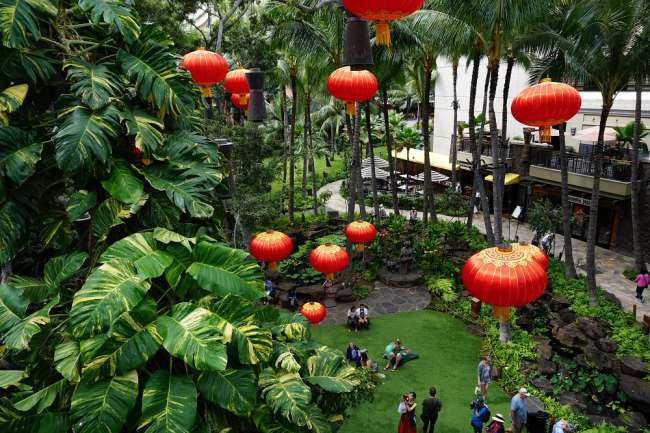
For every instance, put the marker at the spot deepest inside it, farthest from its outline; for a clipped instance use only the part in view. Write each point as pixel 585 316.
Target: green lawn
pixel 448 359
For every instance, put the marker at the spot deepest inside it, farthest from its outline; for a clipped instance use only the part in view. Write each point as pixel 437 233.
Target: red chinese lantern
pixel 329 259
pixel 546 104
pixel 352 86
pixel 236 100
pixel 237 83
pixel 207 69
pixel 381 12
pixel 271 246
pixel 315 312
pixel 534 252
pixel 360 233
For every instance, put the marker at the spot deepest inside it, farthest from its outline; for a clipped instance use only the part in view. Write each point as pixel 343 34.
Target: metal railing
pixel 614 169
pixel 465 145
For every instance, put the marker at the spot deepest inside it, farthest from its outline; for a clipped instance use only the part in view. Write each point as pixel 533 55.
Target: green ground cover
pixel 448 359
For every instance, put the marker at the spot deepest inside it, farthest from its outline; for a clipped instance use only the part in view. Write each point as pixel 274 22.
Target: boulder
pixel 597 358
pixel 344 295
pixel 566 316
pixel 544 349
pixel 570 336
pixel 592 328
pixel 543 384
pixel 633 421
pixel 559 303
pixel 575 401
pixel 314 293
pixel 633 366
pixel 607 345
pixel 612 298
pixel 546 367
pixel 637 391
pixel 284 286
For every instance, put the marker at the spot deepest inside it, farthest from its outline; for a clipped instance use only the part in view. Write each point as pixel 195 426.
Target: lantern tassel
pixel 501 313
pixel 206 91
pixel 273 266
pixel 350 108
pixel 382 37
pixel 242 99
pixel 329 277
pixel 360 247
pixel 545 134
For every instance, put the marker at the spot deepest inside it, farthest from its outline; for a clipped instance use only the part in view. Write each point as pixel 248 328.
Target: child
pixel 642 280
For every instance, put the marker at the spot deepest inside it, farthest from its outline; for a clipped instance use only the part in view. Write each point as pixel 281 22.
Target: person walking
pixel 407 422
pixel 642 281
pixel 496 426
pixel 519 410
pixel 484 373
pixel 480 415
pixel 431 407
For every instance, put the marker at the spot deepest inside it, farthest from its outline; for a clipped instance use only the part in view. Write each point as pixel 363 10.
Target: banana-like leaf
pixel 104 406
pixel 109 214
pixel 166 237
pixel 41 399
pixel 266 422
pixel 291 327
pixel 141 250
pixel 19 22
pixel 253 344
pixel 190 333
pixel 286 394
pixel 109 291
pixel 330 371
pixel 19 154
pixel 66 360
pixel 190 146
pixel 20 334
pixel 159 212
pixel 11 99
pixel 133 340
pixel 168 404
pixel 152 67
pixel 287 361
pixel 31 63
pixel 79 203
pixel 123 184
pixel 94 84
pixel 50 422
pixel 14 220
pixel 114 13
pixel 60 269
pixel 146 129
pixel 233 390
pixel 10 378
pixel 84 135
pixel 13 305
pixel 33 289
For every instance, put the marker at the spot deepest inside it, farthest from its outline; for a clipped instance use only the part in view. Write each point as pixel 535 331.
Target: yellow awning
pixel 438 160
pixel 511 178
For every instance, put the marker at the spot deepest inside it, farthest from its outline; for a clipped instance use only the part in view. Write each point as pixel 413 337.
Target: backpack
pixel 486 415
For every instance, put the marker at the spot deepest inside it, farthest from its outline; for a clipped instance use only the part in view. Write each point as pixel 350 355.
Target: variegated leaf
pixel 233 390
pixel 168 404
pixel 66 360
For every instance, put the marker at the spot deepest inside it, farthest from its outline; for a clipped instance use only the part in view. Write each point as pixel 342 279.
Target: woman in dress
pixel 407 420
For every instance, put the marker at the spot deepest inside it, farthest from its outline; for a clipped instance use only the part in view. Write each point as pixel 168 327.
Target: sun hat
pixel 498 418
pixel 524 391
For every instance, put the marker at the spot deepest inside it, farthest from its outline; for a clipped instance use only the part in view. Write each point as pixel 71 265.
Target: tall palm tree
pixel 371 155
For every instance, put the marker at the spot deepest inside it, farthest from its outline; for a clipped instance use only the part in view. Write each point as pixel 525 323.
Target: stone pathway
pixel 381 300
pixel 609 264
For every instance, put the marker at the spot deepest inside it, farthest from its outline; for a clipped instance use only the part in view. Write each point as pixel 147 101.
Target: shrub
pixel 443 288
pixel 360 292
pixel 629 273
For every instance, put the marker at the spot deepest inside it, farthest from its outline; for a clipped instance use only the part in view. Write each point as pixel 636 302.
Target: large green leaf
pixel 114 13
pixel 10 378
pixel 104 406
pixel 94 84
pixel 79 203
pixel 11 99
pixel 186 145
pixel 26 63
pixel 190 333
pixel 330 371
pixel 123 184
pixel 41 399
pixel 139 249
pixel 33 289
pixel 159 212
pixel 13 305
pixel 145 128
pixel 109 291
pixel 60 269
pixel 66 360
pixel 165 236
pixel 233 390
pixel 51 422
pixel 286 394
pixel 19 154
pixel 13 225
pixel 109 214
pixel 20 334
pixel 266 422
pixel 168 404
pixel 85 134
pixel 18 21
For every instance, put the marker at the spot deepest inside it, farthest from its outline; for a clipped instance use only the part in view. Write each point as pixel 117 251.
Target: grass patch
pixel 448 359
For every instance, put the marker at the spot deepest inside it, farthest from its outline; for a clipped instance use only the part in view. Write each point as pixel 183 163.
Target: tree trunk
pixel 389 149
pixel 504 142
pixel 292 146
pixel 427 143
pixel 354 160
pixel 497 178
pixel 371 155
pixel 312 165
pixel 360 187
pixel 569 266
pixel 305 148
pixel 597 161
pixel 637 244
pixel 454 135
pixel 285 135
pixel 432 115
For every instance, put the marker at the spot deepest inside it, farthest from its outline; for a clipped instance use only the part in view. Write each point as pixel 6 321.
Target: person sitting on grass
pixel 353 318
pixel 362 316
pixel 353 354
pixel 397 352
pixel 368 363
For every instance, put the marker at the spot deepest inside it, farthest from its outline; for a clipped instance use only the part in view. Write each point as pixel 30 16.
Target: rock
pixel 597 419
pixel 612 298
pixel 546 367
pixel 559 303
pixel 475 329
pixel 574 400
pixel 597 358
pixel 284 286
pixel 633 366
pixel 571 336
pixel 637 391
pixel 567 316
pixel 607 345
pixel 543 384
pixel 345 295
pixel 544 349
pixel 592 328
pixel 633 421
pixel 396 279
pixel 314 293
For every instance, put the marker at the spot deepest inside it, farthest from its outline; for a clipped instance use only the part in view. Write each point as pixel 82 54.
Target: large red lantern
pixel 329 259
pixel 534 252
pixel 360 233
pixel 237 83
pixel 546 104
pixel 207 69
pixel 381 12
pixel 237 100
pixel 315 312
pixel 271 246
pixel 352 86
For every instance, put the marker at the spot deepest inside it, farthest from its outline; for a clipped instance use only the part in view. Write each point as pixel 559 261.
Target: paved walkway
pixel 609 264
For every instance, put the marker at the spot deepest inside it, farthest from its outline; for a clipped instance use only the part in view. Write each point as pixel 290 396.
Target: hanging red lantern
pixel 534 252
pixel 315 312
pixel 360 233
pixel 546 104
pixel 382 12
pixel 236 99
pixel 329 259
pixel 271 246
pixel 237 83
pixel 352 86
pixel 207 69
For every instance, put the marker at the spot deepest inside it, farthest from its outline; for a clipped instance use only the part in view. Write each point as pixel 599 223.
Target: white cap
pixel 523 391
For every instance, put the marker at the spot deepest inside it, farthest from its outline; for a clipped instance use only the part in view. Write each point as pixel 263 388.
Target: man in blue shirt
pixel 519 410
pixel 480 415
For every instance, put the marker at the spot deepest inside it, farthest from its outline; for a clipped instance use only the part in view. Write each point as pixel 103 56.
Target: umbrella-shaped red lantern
pixel 207 69
pixel 329 259
pixel 546 104
pixel 381 12
pixel 315 312
pixel 237 100
pixel 237 83
pixel 352 86
pixel 271 246
pixel 534 252
pixel 360 233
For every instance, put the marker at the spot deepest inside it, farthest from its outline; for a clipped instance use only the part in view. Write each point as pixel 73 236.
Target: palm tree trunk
pixel 354 161
pixel 427 143
pixel 479 150
pixel 592 230
pixel 360 187
pixel 389 149
pixel 454 135
pixel 371 155
pixel 292 146
pixel 305 149
pixel 639 257
pixel 504 143
pixel 312 165
pixel 569 266
pixel 285 135
pixel 497 181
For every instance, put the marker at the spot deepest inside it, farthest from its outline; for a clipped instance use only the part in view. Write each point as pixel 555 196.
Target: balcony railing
pixel 614 169
pixel 465 145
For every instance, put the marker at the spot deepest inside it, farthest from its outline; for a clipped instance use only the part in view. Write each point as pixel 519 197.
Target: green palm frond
pixel 115 14
pixel 94 84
